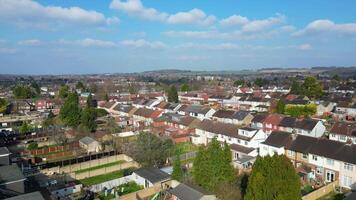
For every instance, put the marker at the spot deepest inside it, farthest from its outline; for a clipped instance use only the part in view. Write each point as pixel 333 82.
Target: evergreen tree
pixel 296 88
pixel 63 91
pixel 70 112
pixel 312 88
pixel 212 166
pixel 239 82
pixel 91 103
pixel 80 85
pixel 23 92
pixel 280 106
pixel 173 94
pixel 273 178
pixel 88 118
pixel 177 173
pixel 185 88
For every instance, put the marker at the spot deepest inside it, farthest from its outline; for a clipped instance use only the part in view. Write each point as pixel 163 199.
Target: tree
pixel 177 173
pixel 91 103
pixel 49 121
pixel 70 112
pixel 335 77
pixel 296 88
pixel 24 128
pixel 112 126
pixel 312 88
pixel 239 82
pixel 106 97
pixel 80 86
pixel 173 94
pixel 88 118
pixel 261 82
pixel 185 88
pixel 300 110
pixel 36 87
pixel 273 178
pixel 149 150
pixel 63 91
pixel 32 146
pixel 23 92
pixel 212 166
pixel 280 106
pixel 4 105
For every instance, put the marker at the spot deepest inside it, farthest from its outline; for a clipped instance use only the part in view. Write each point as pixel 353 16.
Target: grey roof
pixel 10 173
pixel 87 140
pixel 240 115
pixel 188 192
pixel 4 151
pixel 152 174
pixel 28 196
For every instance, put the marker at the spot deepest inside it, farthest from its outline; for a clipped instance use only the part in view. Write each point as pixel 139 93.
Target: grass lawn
pixel 100 166
pixel 102 178
pixel 123 190
pixel 186 147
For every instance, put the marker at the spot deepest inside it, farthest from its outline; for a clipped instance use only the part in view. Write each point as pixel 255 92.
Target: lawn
pixel 100 166
pixel 186 147
pixel 122 189
pixel 102 178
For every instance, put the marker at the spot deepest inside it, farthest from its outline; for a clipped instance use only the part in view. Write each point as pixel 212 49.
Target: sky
pixel 113 36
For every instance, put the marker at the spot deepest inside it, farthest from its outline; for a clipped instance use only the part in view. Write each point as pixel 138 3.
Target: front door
pixel 330 176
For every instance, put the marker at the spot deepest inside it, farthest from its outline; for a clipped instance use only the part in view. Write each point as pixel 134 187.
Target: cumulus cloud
pixel 137 9
pixel 89 42
pixel 4 50
pixel 141 43
pixel 234 20
pixel 31 42
pixel 327 26
pixel 32 13
pixel 259 25
pixel 301 47
pixel 221 46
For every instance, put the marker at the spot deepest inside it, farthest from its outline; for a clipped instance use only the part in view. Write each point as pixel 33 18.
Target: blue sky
pixel 101 36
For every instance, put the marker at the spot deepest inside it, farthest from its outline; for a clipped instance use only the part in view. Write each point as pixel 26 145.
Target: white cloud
pixel 194 16
pixel 234 20
pixel 259 25
pixel 137 9
pixel 141 43
pixel 89 42
pixel 4 50
pixel 31 42
pixel 302 46
pixel 327 26
pixel 31 13
pixel 222 46
pixel 190 58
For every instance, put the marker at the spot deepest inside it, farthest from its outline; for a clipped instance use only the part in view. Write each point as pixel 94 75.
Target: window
pixel 348 166
pixel 238 141
pixel 347 181
pixel 342 138
pixel 246 143
pixel 236 155
pixel 332 135
pixel 305 156
pixel 330 162
pixel 291 153
pixel 315 158
pixel 319 171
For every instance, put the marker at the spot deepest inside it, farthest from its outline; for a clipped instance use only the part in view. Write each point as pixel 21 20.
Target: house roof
pixel 87 140
pixel 33 195
pixel 341 128
pixel 278 139
pixel 273 119
pixel 189 192
pixel 260 118
pixel 197 109
pixel 152 174
pixel 306 124
pixel 303 144
pixel 229 130
pixel 224 113
pixel 147 113
pixel 240 115
pixel 288 122
pixel 242 149
pixel 10 173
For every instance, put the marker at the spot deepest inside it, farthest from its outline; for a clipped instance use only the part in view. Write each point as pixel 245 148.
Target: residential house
pixel 271 122
pixel 198 111
pixel 324 108
pixel 258 121
pixel 346 110
pixel 233 117
pixel 343 132
pixel 276 143
pixel 144 117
